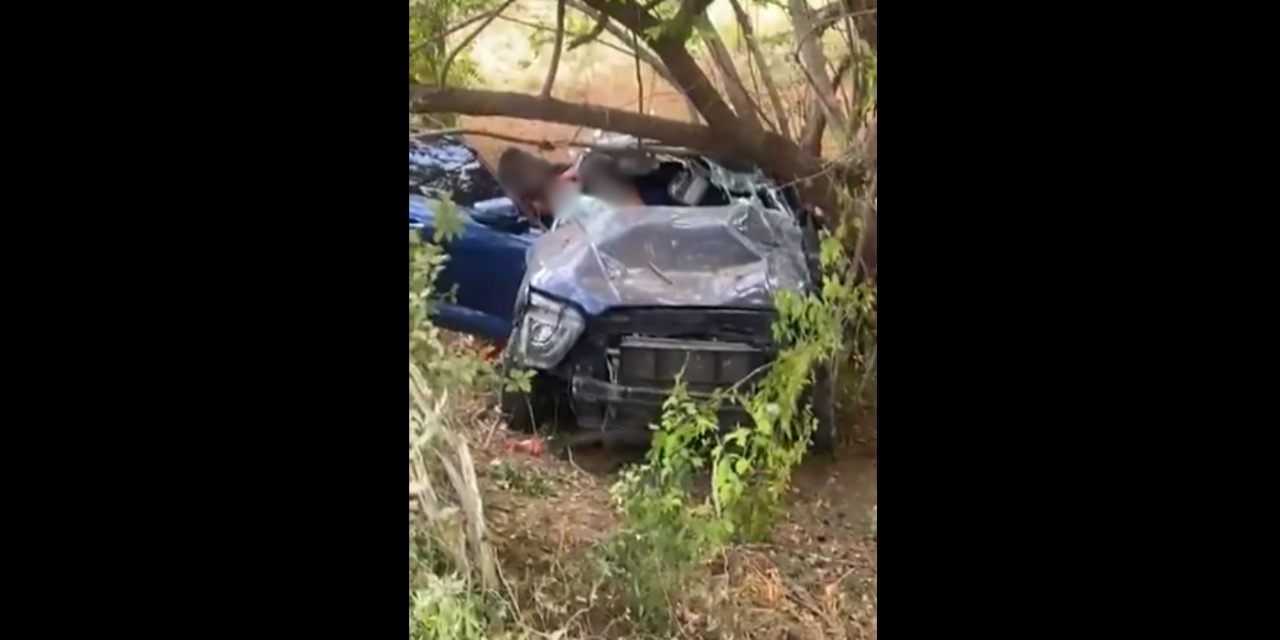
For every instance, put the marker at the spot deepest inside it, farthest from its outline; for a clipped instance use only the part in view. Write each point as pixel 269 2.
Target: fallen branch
pixel 772 152
pixel 519 105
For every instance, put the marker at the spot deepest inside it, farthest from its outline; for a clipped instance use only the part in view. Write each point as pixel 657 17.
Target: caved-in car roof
pixel 736 256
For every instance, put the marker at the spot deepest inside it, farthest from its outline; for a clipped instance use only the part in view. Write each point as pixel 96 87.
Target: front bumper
pixel 643 371
pixel 592 391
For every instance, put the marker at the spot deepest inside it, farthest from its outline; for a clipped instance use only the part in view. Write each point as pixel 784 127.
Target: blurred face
pixel 601 178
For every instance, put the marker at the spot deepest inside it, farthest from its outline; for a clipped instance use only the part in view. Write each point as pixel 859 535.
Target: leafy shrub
pixel 451 563
pixel 668 529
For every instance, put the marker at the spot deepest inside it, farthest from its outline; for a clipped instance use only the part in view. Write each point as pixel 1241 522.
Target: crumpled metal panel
pixel 736 256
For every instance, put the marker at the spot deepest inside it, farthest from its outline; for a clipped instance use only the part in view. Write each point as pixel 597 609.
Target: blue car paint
pixel 562 286
pixel 487 261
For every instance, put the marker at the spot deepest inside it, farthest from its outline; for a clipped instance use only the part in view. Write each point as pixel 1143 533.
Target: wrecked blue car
pixel 637 269
pixel 486 263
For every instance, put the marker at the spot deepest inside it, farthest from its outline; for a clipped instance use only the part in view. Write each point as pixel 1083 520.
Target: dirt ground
pixel 815 579
pixel 818 577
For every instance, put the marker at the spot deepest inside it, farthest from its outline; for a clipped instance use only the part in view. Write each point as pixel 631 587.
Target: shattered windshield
pixel 446 166
pixel 576 206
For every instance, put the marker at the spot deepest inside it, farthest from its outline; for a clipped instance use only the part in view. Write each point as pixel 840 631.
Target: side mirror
pixel 501 214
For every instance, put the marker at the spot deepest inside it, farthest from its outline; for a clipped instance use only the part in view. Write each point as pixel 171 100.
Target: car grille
pixel 649 348
pixel 704 365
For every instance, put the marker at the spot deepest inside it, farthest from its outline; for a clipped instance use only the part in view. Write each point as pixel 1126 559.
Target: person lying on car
pixel 536 182
pixel 526 177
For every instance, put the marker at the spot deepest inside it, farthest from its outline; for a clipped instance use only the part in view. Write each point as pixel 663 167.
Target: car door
pixel 479 283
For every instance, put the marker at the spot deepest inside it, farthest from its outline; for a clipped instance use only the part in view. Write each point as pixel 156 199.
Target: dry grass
pixel 546 515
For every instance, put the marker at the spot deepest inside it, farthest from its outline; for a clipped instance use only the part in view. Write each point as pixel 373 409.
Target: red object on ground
pixel 531 446
pixel 491 351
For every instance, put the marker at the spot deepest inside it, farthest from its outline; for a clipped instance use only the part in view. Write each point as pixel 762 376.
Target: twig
pixel 622 35
pixel 555 53
pixel 635 46
pixel 492 430
pixel 589 36
pixel 448 61
pixel 645 55
pixel 454 29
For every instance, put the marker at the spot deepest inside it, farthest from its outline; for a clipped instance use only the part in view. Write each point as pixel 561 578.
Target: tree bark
pixel 519 105
pixel 555 54
pixel 774 153
pixel 816 119
pixel 775 98
pixel 814 63
pixel 742 103
pixel 668 42
pixel 646 54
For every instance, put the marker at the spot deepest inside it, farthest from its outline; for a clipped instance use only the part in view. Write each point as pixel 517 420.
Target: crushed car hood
pixel 735 256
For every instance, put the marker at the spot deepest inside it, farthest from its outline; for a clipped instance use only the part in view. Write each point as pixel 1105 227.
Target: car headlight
pixel 547 331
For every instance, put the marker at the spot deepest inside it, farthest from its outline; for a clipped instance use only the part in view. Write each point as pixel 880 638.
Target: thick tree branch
pixel 646 56
pixel 635 46
pixel 862 12
pixel 753 47
pixel 813 63
pixel 865 15
pixel 866 254
pixel 529 107
pixel 555 53
pixel 681 26
pixel 775 154
pixel 737 92
pixel 816 119
pixel 668 42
